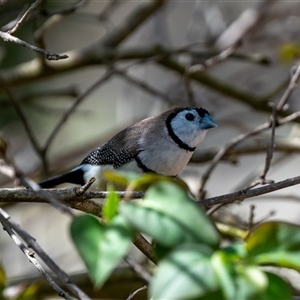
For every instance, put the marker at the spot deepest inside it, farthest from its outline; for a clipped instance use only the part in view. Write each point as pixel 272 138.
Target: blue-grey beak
pixel 207 122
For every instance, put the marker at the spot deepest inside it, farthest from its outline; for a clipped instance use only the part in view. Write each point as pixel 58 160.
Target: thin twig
pixel 49 55
pixel 244 194
pixel 212 61
pixel 246 21
pixel 81 190
pixel 79 99
pixel 251 217
pixel 15 173
pixel 151 90
pixel 138 269
pixel 67 195
pixel 131 296
pixel 270 150
pixel 14 101
pixel 224 150
pixel 31 242
pixel 4 219
pixel 64 11
pixel 43 193
pixel 189 89
pixel 269 155
pixel 112 5
pixel 25 15
pixel 70 91
pixel 145 247
pixel 288 91
pixel 213 209
pixel 255 131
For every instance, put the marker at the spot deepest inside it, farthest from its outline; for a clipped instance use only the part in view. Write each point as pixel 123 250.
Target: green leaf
pixel 120 178
pixel 235 250
pixel 277 289
pixel 275 243
pixel 101 247
pixel 139 182
pixel 254 284
pixel 251 282
pixel 289 51
pixel 110 206
pixel 186 273
pixel 223 268
pixel 170 217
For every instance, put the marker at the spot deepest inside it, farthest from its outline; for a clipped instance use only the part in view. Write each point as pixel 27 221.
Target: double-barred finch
pixel 162 144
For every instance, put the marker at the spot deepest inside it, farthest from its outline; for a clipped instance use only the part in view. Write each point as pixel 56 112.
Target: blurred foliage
pixel 289 52
pixel 17 292
pixel 195 264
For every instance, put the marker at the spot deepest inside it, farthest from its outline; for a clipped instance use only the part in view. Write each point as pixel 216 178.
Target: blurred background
pixel 142 54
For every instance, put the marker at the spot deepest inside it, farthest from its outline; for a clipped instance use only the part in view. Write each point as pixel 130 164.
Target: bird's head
pixel 190 124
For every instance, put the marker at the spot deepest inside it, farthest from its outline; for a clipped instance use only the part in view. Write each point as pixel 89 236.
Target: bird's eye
pixel 190 117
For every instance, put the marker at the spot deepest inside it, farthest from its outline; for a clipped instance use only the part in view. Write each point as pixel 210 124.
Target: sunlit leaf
pixel 139 181
pixel 186 273
pixel 146 180
pixel 170 217
pixel 30 292
pixel 2 279
pixel 275 243
pixel 110 206
pixel 100 246
pixel 289 51
pixel 120 178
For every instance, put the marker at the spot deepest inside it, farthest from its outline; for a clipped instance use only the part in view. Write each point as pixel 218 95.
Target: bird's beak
pixel 207 122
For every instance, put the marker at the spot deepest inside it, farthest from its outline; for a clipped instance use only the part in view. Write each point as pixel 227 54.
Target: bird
pixel 161 144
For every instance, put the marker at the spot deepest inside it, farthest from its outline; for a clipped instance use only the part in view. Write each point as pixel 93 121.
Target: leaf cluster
pixel 192 261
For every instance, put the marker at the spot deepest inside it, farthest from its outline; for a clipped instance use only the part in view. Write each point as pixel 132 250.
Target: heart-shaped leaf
pixel 101 247
pixel 170 217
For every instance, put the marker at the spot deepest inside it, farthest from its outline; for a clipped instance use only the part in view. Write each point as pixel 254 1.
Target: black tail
pixel 75 176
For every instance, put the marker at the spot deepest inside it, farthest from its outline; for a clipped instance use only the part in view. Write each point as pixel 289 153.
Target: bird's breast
pixel 165 158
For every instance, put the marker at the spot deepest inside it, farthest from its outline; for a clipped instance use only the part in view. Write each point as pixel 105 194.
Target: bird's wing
pixel 120 149
pixel 128 143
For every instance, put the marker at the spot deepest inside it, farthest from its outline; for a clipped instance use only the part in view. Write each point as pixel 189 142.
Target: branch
pixel 131 296
pixel 64 11
pixel 135 19
pixel 244 194
pixel 44 256
pixel 49 55
pixel 70 91
pixel 69 196
pixel 236 141
pixel 285 145
pixel 260 103
pixel 246 21
pixel 4 219
pixel 25 15
pixel 71 109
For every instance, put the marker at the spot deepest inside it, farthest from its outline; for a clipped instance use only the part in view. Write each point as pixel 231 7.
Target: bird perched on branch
pixel 162 144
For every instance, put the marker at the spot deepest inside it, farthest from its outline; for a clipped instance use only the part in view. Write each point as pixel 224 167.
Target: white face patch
pixel 186 126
